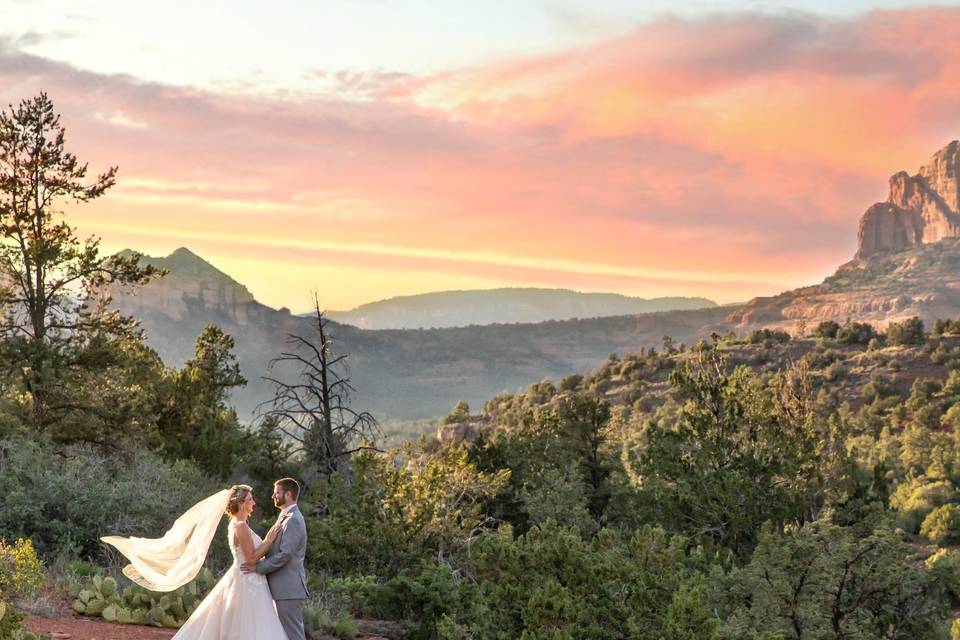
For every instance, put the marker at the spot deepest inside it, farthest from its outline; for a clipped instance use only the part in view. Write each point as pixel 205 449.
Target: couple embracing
pixel 261 596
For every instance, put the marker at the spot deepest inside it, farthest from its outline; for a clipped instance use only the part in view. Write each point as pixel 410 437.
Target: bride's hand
pixel 272 534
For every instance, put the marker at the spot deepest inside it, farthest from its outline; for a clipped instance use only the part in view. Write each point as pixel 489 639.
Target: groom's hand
pixel 248 567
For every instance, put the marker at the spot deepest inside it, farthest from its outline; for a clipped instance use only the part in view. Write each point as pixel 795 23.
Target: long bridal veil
pixel 164 564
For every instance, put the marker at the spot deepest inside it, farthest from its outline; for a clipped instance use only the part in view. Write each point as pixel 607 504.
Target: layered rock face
pixel 920 209
pixel 192 281
pixel 907 262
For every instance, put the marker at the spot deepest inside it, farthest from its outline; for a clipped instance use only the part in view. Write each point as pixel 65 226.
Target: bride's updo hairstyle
pixel 238 495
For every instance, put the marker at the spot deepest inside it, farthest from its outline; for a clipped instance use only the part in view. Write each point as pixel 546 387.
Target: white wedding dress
pixel 239 607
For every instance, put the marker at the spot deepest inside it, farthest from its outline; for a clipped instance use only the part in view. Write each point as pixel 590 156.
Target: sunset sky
pixel 369 148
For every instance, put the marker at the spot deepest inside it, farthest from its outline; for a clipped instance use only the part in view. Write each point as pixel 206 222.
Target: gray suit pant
pixel 291 618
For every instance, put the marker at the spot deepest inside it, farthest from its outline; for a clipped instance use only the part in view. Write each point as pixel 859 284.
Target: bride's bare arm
pixel 245 540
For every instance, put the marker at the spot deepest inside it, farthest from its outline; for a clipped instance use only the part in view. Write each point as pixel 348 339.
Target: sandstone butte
pixel 907 261
pixel 921 209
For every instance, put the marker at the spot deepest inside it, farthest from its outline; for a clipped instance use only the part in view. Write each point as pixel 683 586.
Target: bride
pixel 240 606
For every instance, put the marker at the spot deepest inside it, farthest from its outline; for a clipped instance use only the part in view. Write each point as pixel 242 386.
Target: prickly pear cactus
pixel 96 607
pixel 135 605
pixel 108 587
pixel 110 613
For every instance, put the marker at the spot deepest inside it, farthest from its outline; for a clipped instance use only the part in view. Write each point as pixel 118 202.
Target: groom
pixel 283 564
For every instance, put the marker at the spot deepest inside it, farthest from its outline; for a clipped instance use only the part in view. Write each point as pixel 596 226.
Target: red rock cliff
pixel 921 209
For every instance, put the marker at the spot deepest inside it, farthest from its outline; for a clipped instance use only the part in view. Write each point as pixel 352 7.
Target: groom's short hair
pixel 291 485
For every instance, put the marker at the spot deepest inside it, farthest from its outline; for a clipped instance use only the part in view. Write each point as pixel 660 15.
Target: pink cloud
pixel 731 143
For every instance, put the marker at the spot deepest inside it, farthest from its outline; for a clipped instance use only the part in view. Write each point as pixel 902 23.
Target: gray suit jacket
pixel 283 564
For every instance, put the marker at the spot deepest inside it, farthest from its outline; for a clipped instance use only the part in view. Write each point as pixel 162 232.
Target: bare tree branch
pixel 311 402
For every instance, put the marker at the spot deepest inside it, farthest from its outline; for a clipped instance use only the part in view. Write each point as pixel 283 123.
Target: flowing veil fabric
pixel 164 564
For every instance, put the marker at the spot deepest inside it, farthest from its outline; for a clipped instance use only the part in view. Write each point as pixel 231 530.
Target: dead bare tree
pixel 312 408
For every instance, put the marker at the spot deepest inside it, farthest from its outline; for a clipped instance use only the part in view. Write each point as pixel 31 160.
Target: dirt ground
pixel 80 628
pixel 75 627
pixel 61 622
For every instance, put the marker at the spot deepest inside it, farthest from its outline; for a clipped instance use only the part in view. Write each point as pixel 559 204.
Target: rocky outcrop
pixel 922 280
pixel 461 432
pixel 191 281
pixel 920 209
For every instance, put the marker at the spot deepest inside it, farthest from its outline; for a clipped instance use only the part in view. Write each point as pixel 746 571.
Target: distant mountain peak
pixel 190 280
pixel 183 259
pixel 183 252
pixel 920 209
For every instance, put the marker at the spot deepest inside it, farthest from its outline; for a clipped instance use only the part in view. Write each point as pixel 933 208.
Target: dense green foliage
pixel 825 581
pixel 551 583
pixel 395 511
pixel 65 498
pixel 740 452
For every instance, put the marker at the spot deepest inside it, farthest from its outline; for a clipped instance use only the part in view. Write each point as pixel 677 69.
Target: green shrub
pixel 827 329
pixel 942 526
pixel 856 333
pixel 946 327
pixel 352 590
pixel 908 332
pixel 571 382
pixel 915 499
pixel 878 388
pixel 836 372
pixel 922 391
pixel 20 575
pixel 459 413
pixel 345 628
pixel 11 627
pixel 737 455
pixel 821 358
pixel 942 354
pixel 557 496
pixel 768 336
pixel 946 563
pixel 81 569
pixel 316 620
pixel 20 569
pixel 326 613
pixel 423 597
